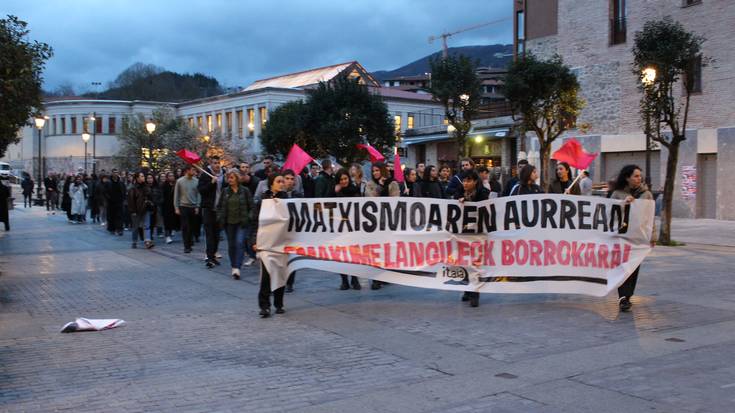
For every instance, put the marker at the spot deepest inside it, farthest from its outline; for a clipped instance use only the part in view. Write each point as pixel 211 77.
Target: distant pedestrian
pixel 170 218
pixel 77 200
pixel 210 189
pixel 472 191
pixel 5 194
pixel 27 186
pixel 140 206
pixel 585 184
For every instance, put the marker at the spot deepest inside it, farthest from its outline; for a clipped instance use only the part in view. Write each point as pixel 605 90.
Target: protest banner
pixel 546 243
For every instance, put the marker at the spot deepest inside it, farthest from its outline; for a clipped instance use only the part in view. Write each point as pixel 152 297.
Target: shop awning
pixel 491 134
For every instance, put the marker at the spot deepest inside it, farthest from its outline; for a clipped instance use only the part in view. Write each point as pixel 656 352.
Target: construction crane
pixel 444 36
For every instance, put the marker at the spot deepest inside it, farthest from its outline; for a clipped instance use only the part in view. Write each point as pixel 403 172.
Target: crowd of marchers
pixel 222 202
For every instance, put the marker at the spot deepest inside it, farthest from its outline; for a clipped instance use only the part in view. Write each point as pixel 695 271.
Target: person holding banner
pixel 346 188
pixel 564 180
pixel 628 187
pixel 527 182
pixel 234 209
pixel 430 186
pixel 275 189
pixel 472 191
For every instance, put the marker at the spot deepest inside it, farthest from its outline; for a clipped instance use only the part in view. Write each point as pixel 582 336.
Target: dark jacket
pixel 51 184
pixel 255 223
pixel 252 185
pixel 414 189
pixel 431 189
pixel 526 190
pixel 139 198
pixel 27 185
pixel 246 205
pixel 349 191
pixel 454 186
pixel 208 189
pixel 558 187
pixel 481 194
pixel 509 185
pixel 309 184
pixel 324 186
pixel 115 192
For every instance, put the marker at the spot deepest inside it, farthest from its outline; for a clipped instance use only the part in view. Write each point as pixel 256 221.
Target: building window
pixel 63 126
pixel 209 123
pixel 199 122
pixel 191 122
pixel 73 125
pixel 55 131
pixel 85 125
pixel 694 75
pixel 219 120
pixel 239 123
pixel 98 124
pixel 409 123
pixel 263 117
pixel 617 22
pixel 111 125
pixel 251 122
pixel 228 123
pixel 397 122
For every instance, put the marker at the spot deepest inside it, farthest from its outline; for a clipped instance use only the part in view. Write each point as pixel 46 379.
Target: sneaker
pixel 248 262
pixel 375 285
pixel 344 286
pixel 356 284
pixel 289 288
pixel 280 310
pixel 265 312
pixel 149 244
pixel 103 224
pixel 236 273
pixel 135 245
pixel 215 261
pixel 624 304
pixel 169 240
pixel 217 255
pixel 209 264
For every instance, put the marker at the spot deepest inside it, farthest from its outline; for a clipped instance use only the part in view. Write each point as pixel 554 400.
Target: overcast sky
pixel 241 41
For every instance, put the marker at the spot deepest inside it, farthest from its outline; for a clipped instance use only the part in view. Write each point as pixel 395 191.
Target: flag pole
pixel 202 169
pixel 579 175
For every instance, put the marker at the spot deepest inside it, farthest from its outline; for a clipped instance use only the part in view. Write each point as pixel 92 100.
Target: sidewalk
pixel 194 341
pixel 703 231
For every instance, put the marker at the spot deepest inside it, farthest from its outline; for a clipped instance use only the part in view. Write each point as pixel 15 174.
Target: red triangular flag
pixel 297 159
pixel 397 171
pixel 375 155
pixel 574 154
pixel 188 156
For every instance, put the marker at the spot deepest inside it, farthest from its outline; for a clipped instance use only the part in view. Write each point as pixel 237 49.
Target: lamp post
pixel 150 127
pixel 40 122
pixel 93 119
pixel 85 138
pixel 648 77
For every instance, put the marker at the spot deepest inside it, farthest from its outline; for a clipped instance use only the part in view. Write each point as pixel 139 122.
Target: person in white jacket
pixel 77 193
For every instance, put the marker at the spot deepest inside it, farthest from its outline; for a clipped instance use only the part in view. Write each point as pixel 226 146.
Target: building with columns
pixel 595 38
pixel 238 115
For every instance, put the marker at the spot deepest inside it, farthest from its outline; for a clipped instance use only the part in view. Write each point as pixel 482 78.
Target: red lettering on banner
pixel 416 253
pixel 387 262
pixel 590 256
pixel 549 252
pixel 432 254
pixel 615 256
pixel 521 252
pixel 311 251
pixel 335 252
pixel 602 252
pixel 463 250
pixel 448 254
pixel 476 253
pixel 356 255
pixel 300 251
pixel 288 249
pixel 507 248
pixel 626 252
pixel 487 254
pixel 401 255
pixel 577 249
pixel 535 253
pixel 373 251
pixel 563 253
pixel 323 254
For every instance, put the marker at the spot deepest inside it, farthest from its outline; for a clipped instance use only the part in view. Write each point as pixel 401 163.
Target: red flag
pixel 375 155
pixel 188 156
pixel 297 159
pixel 574 154
pixel 397 171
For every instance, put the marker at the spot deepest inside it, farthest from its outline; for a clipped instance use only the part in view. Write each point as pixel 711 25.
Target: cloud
pixel 241 41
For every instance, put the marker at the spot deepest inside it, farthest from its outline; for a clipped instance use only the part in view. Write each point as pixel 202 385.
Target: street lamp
pixel 85 138
pixel 93 118
pixel 40 122
pixel 648 77
pixel 150 127
pixel 464 98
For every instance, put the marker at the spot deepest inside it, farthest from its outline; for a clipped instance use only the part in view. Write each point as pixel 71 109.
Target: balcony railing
pixel 617 30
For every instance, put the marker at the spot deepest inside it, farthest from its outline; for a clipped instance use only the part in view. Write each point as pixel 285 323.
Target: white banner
pixel 524 244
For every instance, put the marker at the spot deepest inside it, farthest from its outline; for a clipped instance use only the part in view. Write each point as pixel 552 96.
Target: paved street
pixel 194 340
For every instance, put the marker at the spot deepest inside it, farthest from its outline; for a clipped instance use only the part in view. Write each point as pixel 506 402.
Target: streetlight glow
pixel 205 138
pixel 85 137
pixel 479 138
pixel 251 126
pixel 464 97
pixel 40 121
pixel 150 126
pixel 451 129
pixel 648 76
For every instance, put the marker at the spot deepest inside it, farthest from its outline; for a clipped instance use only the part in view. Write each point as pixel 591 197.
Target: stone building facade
pixel 595 38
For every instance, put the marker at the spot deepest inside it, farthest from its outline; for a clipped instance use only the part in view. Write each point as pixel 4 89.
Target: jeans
pixel 248 247
pixel 235 243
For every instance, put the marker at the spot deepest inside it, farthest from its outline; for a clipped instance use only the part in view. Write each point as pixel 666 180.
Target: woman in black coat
pixel 563 181
pixel 170 219
pixel 527 182
pixel 473 191
pixel 276 189
pixel 346 188
pixel 430 185
pixel 66 198
pixel 27 185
